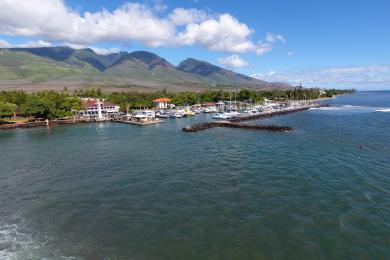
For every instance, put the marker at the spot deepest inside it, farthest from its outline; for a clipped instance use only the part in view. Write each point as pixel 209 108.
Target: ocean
pixel 116 191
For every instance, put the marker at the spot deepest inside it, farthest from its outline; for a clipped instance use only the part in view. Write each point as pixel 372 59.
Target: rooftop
pixel 160 100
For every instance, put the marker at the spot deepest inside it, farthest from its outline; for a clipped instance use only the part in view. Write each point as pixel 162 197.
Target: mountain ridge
pixel 64 64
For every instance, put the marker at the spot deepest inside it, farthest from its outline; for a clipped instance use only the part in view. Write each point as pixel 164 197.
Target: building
pixel 99 109
pixel 162 103
pixel 209 107
pixel 220 105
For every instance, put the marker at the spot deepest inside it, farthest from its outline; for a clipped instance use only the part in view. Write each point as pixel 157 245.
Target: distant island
pixel 52 68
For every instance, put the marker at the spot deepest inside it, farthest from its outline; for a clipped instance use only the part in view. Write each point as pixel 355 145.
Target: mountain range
pixel 65 66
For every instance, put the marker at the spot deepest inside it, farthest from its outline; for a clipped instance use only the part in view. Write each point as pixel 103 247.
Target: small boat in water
pixel 189 112
pixel 251 112
pixel 177 113
pixel 226 115
pixel 163 115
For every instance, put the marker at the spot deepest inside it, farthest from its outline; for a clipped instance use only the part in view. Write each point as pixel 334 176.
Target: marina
pixel 228 113
pixel 151 117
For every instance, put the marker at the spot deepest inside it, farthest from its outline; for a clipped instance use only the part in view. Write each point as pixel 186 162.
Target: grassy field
pixel 10 120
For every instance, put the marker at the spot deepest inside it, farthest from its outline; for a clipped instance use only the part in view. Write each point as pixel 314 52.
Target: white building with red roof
pixel 99 109
pixel 162 103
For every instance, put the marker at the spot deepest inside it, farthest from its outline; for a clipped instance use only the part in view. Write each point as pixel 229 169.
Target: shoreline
pixel 47 123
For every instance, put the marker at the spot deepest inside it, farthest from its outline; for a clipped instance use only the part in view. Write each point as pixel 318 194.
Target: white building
pixel 162 103
pixel 99 109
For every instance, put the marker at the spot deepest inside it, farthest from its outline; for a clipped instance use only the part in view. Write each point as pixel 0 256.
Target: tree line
pixel 44 104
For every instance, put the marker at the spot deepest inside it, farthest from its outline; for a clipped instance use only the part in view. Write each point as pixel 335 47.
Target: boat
pixel 226 115
pixel 177 113
pixel 197 111
pixel 189 112
pixel 251 112
pixel 221 116
pixel 163 115
pixel 210 109
pixel 144 116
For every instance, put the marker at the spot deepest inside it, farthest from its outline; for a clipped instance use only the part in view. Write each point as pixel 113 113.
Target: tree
pixel 7 109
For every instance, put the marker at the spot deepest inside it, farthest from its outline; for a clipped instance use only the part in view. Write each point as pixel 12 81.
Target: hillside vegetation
pixel 66 66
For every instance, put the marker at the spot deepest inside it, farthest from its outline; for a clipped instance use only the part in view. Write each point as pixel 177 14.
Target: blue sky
pixel 327 43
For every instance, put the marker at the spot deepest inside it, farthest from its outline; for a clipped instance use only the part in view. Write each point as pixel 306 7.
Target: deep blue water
pixel 114 191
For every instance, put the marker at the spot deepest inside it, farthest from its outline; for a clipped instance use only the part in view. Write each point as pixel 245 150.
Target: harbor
pixel 223 113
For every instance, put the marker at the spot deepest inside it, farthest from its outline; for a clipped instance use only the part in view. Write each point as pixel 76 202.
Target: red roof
pixel 93 103
pixel 161 100
pixel 208 104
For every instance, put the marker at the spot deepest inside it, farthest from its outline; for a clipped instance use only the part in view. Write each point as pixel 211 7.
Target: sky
pixel 328 43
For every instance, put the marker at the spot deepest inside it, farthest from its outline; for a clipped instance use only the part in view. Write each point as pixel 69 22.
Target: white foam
pixel 353 108
pixel 385 110
pixel 12 241
pixel 16 243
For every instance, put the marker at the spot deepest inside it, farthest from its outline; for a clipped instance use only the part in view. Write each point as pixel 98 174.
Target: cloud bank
pixel 54 21
pixel 368 76
pixel 233 62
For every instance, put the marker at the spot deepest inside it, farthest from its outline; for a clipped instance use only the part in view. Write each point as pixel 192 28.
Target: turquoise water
pixel 115 191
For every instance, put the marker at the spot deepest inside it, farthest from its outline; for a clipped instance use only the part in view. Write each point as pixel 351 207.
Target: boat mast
pixel 230 102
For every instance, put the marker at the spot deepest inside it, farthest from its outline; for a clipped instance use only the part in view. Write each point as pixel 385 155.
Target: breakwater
pixel 207 125
pixel 237 122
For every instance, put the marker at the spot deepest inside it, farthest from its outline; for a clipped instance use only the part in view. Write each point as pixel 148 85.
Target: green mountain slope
pixel 215 73
pixel 64 65
pixel 21 65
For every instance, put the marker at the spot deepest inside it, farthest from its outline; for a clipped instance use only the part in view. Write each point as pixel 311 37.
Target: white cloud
pixel 104 51
pixel 54 21
pixel 351 76
pixel 271 38
pixel 268 44
pixel 290 53
pixel 98 50
pixel 4 44
pixel 225 33
pixel 40 43
pixel 33 44
pixel 30 44
pixel 181 16
pixel 159 6
pixel 233 62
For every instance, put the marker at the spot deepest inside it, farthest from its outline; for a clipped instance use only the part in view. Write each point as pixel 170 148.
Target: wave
pixel 353 108
pixel 16 243
pixel 385 110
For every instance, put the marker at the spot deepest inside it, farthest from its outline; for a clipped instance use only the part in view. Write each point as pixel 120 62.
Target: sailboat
pixel 230 114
